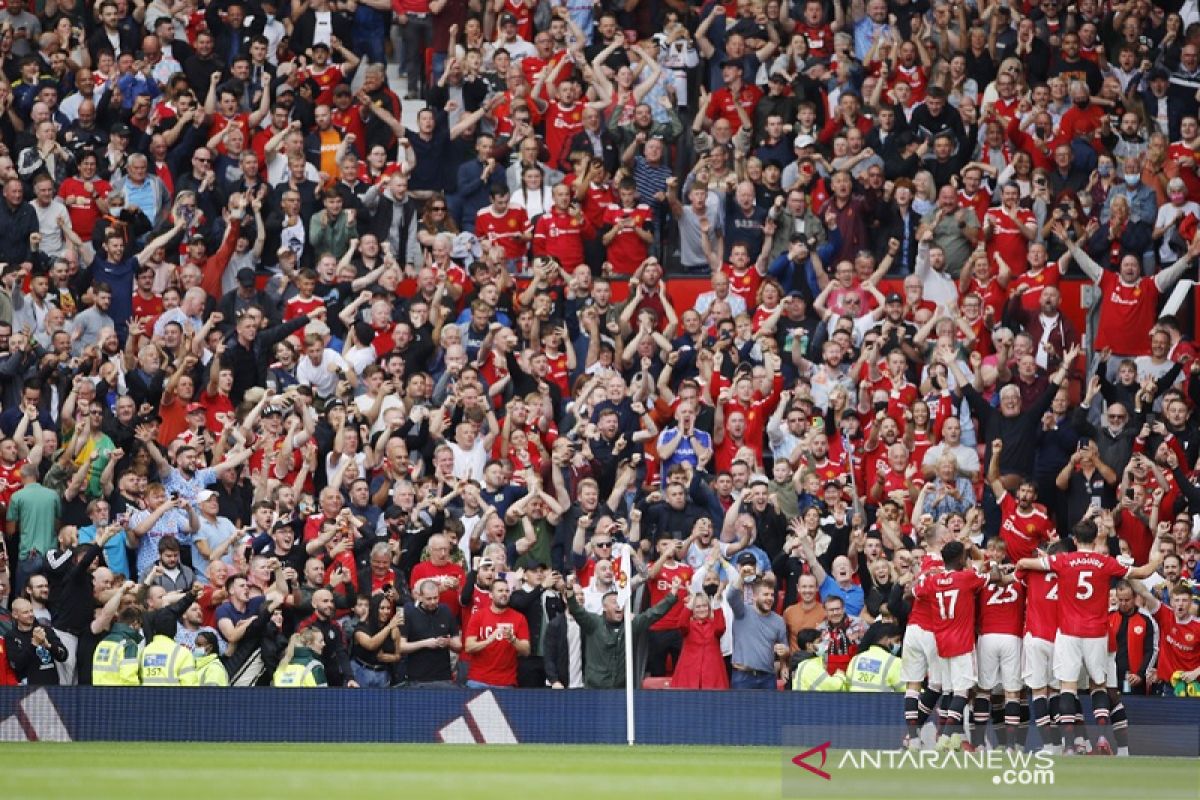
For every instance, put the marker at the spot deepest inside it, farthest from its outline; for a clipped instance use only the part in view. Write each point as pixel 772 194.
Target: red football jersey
pixel 1179 643
pixel 1023 532
pixel 1003 610
pixel 627 251
pixel 1126 314
pixel 1007 239
pixel 923 614
pixel 496 664
pixel 1041 604
pixel 1035 282
pixel 954 600
pixel 1083 579
pixel 744 285
pixel 505 230
pixel 451 597
pixel 660 587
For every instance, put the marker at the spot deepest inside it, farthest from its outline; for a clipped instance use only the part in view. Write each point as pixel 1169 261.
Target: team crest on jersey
pixel 1187 637
pixel 512 223
pixel 1138 629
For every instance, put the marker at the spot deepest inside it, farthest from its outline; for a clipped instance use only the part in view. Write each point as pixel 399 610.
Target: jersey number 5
pixel 1085 589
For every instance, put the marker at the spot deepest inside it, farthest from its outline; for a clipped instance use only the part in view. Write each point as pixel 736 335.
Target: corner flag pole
pixel 624 595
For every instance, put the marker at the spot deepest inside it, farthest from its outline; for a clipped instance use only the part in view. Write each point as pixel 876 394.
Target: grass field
pixel 128 771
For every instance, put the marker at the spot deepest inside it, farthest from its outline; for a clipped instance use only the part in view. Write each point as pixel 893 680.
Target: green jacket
pixel 604 642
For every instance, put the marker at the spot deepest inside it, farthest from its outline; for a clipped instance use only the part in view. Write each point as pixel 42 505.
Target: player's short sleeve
pixel 1115 569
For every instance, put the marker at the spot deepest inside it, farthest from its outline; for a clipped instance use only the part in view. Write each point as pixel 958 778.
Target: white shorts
pixel 1076 657
pixel 959 673
pixel 1037 658
pixel 919 657
pixel 999 662
pixel 1110 676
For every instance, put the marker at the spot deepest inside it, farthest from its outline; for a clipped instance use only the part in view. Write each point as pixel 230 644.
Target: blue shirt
pixel 188 488
pixel 685 453
pixel 853 598
pixel 115 554
pixel 120 277
pixel 865 31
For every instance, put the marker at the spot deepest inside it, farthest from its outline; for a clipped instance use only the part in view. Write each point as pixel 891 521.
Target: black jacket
pixel 35 665
pixel 335 656
pixel 16 224
pixel 251 364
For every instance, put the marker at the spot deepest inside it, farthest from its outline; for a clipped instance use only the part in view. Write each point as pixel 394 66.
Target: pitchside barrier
pixel 460 716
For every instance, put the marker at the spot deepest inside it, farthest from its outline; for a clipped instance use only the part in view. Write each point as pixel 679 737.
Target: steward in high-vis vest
pixel 876 668
pixel 301 664
pixel 808 668
pixel 115 661
pixel 210 671
pixel 165 662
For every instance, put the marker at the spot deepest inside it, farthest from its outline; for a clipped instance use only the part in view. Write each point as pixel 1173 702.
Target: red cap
pixel 194 407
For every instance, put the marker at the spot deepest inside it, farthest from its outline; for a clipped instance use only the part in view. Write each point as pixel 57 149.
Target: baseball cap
pixel 803 140
pixel 746 558
pixel 758 480
pixel 894 297
pixel 192 408
pixel 120 129
pixel 507 19
pixel 204 495
pixel 245 276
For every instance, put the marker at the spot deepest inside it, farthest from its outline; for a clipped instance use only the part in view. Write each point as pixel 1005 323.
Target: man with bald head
pixel 33 649
pixel 334 656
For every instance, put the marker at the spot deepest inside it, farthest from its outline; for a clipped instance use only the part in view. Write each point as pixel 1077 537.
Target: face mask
pixel 1104 169
pixel 895 649
pixel 1132 180
pixel 1178 198
pixel 710 589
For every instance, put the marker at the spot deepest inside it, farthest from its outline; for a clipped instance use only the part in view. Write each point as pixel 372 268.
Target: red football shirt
pixel 1083 579
pixel 1041 604
pixel 1007 239
pixel 505 230
pixel 923 614
pixel 627 251
pixel 660 587
pixel 954 601
pixel 1003 610
pixel 451 597
pixel 1126 315
pixel 1180 643
pixel 496 664
pixel 1035 282
pixel 1023 532
pixel 744 284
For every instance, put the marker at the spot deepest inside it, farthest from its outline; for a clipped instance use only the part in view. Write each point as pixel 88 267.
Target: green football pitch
pixel 299 771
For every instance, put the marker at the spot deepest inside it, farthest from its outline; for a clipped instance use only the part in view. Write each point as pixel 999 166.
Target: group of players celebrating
pixel 1019 629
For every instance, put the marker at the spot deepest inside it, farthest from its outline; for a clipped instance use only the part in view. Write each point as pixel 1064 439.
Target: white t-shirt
pixel 470 463
pixel 321 376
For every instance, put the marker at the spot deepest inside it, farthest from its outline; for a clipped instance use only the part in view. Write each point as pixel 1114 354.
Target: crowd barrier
pixel 493 717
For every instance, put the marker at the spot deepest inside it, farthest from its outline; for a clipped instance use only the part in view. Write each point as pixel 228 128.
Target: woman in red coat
pixel 700 663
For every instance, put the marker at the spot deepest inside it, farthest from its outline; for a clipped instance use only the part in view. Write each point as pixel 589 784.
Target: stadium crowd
pixel 292 392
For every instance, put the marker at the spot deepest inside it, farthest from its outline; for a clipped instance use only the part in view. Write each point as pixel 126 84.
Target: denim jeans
pixel 369 678
pixel 748 680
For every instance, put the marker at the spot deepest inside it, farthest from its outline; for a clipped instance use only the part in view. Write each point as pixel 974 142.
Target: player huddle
pixel 1019 629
